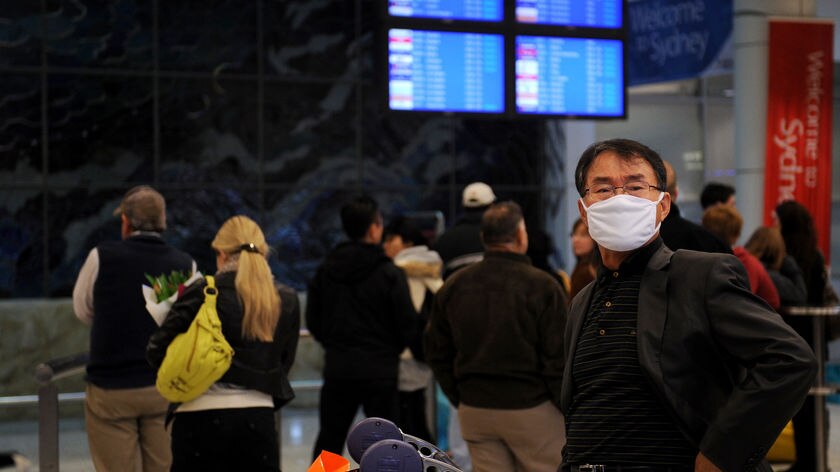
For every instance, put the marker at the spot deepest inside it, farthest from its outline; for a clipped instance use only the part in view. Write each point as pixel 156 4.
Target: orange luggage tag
pixel 329 462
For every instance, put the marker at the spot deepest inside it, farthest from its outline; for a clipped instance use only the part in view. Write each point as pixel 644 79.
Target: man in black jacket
pixel 360 310
pixel 461 245
pixel 495 344
pixel 678 232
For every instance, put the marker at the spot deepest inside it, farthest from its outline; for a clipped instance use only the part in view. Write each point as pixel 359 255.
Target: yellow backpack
pixel 198 357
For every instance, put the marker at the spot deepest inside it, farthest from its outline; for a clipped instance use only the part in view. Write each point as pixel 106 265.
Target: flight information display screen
pixel 569 76
pixel 474 10
pixel 586 13
pixel 445 71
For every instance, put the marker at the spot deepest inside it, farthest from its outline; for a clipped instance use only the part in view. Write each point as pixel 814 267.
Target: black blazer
pixel 728 369
pixel 679 233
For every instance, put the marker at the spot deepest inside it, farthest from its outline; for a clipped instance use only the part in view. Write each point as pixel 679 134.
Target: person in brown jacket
pixel 495 344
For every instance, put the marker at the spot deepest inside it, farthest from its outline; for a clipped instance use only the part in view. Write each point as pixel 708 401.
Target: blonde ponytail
pixel 242 239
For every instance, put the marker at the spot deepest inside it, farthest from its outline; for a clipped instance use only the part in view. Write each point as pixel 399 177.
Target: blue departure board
pixel 445 71
pixel 474 10
pixel 569 76
pixel 586 13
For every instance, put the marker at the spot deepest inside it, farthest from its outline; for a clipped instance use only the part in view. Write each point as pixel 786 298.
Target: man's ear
pixel 125 226
pixel 664 206
pixel 522 236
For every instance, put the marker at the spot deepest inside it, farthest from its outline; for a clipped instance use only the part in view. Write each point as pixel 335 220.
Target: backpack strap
pixel 210 294
pixel 210 289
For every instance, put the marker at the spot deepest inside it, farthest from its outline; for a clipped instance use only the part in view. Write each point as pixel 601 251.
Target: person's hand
pixel 702 464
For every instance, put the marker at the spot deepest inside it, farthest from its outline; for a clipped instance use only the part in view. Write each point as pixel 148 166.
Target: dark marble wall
pixel 270 108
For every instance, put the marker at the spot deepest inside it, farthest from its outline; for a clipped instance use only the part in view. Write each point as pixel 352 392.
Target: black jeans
pixel 413 414
pixel 224 440
pixel 340 400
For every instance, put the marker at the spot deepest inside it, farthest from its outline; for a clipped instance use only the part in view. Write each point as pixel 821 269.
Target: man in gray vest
pixel 124 413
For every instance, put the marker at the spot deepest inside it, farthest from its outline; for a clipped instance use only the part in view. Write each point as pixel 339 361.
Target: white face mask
pixel 623 222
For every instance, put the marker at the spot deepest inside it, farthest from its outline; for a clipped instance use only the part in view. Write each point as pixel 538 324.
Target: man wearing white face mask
pixel 672 364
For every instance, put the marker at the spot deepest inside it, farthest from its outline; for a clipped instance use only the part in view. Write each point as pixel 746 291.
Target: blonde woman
pixel 231 426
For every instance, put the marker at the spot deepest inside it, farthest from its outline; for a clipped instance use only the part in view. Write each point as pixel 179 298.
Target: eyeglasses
pixel 637 188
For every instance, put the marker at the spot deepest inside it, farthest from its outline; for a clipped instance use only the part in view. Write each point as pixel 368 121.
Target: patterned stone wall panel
pixel 557 162
pixel 194 216
pixel 404 148
pixel 421 204
pixel 100 130
pixel 557 224
pixel 302 224
pixel 21 30
pixel 499 152
pixel 21 142
pixel 310 133
pixel 218 36
pixel 310 38
pixel 37 331
pixel 79 218
pixel 544 247
pixel 208 130
pixel 529 199
pixel 372 54
pixel 44 330
pixel 21 243
pixel 82 218
pixel 91 33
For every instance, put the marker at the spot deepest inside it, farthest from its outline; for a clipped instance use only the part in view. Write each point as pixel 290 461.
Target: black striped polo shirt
pixel 615 416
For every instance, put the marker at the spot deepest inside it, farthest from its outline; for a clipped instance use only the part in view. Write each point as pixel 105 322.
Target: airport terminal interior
pixel 280 110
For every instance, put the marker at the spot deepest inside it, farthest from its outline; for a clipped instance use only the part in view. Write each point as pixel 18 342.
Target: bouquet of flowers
pixel 164 291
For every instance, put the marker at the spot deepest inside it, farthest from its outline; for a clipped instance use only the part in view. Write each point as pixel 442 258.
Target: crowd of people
pixel 666 349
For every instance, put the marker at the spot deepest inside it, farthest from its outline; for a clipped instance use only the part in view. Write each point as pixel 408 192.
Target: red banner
pixel 799 100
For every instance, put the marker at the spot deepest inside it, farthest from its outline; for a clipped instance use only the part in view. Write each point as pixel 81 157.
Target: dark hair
pixel 500 223
pixel 715 192
pixel 357 216
pixel 800 237
pixel 406 230
pixel 626 148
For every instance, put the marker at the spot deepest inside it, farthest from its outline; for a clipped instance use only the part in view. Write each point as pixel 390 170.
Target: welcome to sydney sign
pixel 678 39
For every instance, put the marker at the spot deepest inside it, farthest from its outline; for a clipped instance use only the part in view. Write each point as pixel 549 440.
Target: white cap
pixel 478 194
